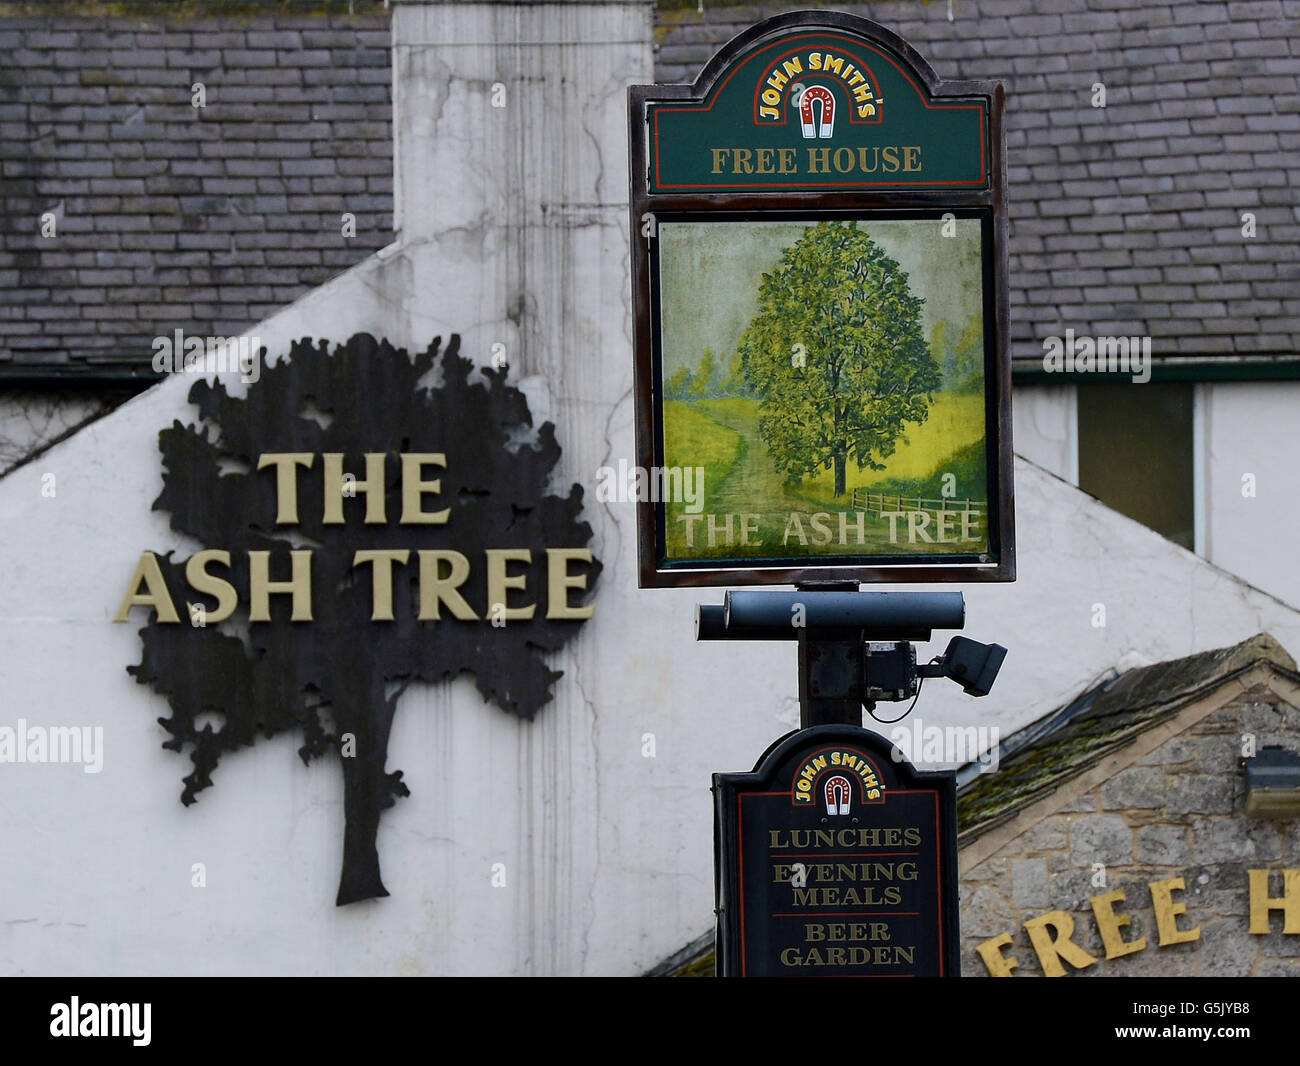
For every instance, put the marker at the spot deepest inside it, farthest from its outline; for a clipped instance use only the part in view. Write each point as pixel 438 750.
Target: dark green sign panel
pixel 836 859
pixel 815 110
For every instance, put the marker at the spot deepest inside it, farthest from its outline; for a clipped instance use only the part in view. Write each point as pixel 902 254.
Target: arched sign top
pixel 813 101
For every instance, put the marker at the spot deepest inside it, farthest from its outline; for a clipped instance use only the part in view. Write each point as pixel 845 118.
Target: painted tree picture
pixel 836 354
pixel 827 380
pixel 337 679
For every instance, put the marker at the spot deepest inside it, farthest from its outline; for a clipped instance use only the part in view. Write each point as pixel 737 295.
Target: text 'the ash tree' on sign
pixel 819 283
pixel 835 860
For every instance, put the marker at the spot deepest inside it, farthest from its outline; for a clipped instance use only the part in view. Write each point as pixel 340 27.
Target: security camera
pixel 973 665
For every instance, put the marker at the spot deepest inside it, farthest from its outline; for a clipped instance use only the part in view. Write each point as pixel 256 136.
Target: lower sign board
pixel 834 859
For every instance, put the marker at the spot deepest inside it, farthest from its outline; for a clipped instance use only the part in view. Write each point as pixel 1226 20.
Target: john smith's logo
pixel 808 101
pixel 839 794
pixel 845 85
pixel 832 774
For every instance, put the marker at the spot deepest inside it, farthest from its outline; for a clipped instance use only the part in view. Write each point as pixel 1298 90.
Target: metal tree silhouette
pixel 341 674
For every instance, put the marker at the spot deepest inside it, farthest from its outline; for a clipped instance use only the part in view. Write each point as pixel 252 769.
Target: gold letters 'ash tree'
pixel 836 354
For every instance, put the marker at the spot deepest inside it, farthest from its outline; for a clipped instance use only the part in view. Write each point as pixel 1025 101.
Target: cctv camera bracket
pixel 844 665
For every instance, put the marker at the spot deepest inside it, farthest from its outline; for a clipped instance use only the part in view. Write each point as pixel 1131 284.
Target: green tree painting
pixel 836 354
pixel 705 383
pixel 678 387
pixel 961 356
pixel 734 383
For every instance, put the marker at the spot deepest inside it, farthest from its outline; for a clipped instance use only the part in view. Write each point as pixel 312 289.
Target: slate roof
pixel 1126 220
pixel 207 219
pixel 1039 759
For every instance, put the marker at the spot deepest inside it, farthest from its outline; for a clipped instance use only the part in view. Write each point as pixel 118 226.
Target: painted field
pixel 751 509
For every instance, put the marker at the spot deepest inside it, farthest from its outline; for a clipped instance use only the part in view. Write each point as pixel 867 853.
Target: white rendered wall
pixel 30 421
pixel 608 854
pixel 1253 428
pixel 1242 428
pixel 1045 428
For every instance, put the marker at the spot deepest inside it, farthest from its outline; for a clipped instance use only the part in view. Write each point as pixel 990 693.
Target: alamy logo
pixel 1098 355
pixel 41 744
pixel 102 1019
pixel 179 354
pixel 660 484
pixel 948 744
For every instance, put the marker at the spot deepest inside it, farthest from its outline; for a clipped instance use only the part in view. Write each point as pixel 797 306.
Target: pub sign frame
pixel 893 870
pixel 683 219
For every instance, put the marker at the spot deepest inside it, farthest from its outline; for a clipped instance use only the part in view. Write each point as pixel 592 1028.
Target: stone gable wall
pixel 1178 812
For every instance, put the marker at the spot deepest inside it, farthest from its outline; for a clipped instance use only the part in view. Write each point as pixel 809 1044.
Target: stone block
pixel 1105 838
pixel 1224 840
pixel 1173 752
pixel 1163 845
pixel 1138 786
pixel 989 870
pixel 1153 961
pixel 987 914
pixel 1275 968
pixel 1200 794
pixel 1071 891
pixel 1050 835
pixel 1291 830
pixel 1029 884
pixel 1226 950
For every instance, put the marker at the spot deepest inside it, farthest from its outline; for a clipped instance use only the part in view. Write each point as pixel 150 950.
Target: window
pixel 1135 453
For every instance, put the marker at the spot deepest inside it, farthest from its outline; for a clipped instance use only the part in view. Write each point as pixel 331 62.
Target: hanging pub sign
pixel 833 859
pixel 819 285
